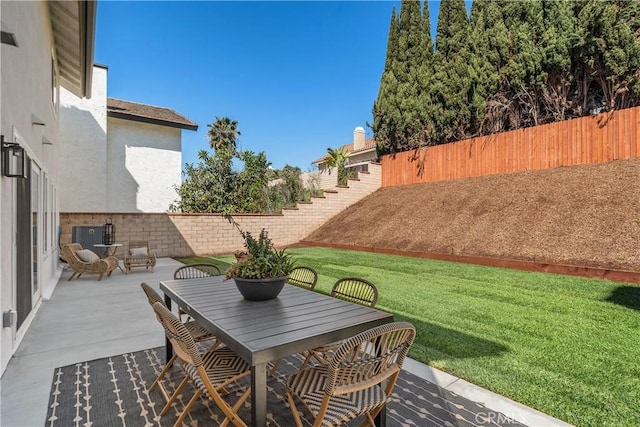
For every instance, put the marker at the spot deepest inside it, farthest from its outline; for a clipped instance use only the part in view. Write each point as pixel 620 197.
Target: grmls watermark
pixel 491 417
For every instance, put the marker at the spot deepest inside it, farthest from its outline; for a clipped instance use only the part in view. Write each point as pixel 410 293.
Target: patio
pixel 88 319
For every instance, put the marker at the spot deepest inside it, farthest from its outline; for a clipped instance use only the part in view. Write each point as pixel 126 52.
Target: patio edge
pixel 496 402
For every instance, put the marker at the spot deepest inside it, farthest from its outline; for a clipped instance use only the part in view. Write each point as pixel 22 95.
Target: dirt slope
pixel 580 215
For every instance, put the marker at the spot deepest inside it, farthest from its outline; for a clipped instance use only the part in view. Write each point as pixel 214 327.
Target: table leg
pixel 168 346
pixel 259 395
pixel 381 418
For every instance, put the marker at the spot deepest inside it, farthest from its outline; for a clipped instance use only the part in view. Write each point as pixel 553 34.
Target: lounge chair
pixel 85 261
pixel 139 255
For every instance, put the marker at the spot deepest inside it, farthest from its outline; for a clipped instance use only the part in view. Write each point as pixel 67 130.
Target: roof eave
pixel 73 25
pixel 89 47
pixel 159 122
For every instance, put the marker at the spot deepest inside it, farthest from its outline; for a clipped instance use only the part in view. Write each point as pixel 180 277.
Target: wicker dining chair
pixel 197 332
pixel 197 270
pixel 84 261
pixel 210 372
pixel 139 254
pixel 303 277
pixel 358 380
pixel 357 290
pixel 352 289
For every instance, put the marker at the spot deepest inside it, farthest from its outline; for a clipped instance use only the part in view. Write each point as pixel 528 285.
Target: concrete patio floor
pixel 86 319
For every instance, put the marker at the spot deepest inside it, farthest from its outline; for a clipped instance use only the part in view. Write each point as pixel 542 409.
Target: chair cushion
pixel 138 251
pixel 87 255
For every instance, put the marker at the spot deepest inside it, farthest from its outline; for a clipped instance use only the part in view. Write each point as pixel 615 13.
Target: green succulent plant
pixel 262 260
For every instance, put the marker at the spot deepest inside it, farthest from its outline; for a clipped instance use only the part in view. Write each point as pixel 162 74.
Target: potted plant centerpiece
pixel 261 274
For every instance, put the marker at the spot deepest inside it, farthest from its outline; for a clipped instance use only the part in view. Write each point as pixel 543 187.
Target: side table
pixel 109 250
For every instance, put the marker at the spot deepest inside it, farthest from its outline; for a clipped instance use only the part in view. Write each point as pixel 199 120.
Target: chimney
pixel 358 138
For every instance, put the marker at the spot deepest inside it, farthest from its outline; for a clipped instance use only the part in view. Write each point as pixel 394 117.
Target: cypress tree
pixel 608 54
pixel 450 83
pixel 410 45
pixel 399 111
pixel 386 112
pixel 557 37
pixel 424 76
pixel 523 71
pixel 487 47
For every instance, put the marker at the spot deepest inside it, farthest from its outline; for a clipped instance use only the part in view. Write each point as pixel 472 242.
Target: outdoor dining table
pixel 264 331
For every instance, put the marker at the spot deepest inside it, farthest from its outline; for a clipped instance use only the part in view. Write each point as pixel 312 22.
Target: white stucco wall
pixel 26 90
pixel 144 166
pixel 83 154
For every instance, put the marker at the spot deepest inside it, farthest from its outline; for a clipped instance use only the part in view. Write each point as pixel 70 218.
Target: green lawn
pixel 567 346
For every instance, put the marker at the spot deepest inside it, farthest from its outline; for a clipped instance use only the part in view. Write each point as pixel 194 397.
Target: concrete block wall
pixel 182 234
pixel 328 178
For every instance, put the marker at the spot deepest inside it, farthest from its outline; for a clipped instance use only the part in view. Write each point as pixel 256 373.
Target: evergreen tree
pixel 488 40
pixel 559 26
pixel 411 57
pixel 424 76
pixel 402 110
pixel 450 87
pixel 521 78
pixel 608 54
pixel 386 111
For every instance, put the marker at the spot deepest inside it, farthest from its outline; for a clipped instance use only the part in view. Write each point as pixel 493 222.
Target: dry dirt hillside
pixel 580 215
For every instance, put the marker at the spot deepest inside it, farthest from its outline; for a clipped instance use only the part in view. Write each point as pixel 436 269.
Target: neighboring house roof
pixel 73 26
pixel 369 145
pixel 148 114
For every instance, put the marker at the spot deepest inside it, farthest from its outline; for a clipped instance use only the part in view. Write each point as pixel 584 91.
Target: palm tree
pixel 223 135
pixel 337 159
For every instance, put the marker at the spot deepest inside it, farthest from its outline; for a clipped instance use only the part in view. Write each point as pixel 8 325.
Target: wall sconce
pixel 13 160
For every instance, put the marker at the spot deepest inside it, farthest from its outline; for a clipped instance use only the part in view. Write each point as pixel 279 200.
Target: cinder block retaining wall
pixel 180 234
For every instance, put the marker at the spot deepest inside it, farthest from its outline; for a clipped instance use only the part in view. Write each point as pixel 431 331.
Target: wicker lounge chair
pixel 358 380
pixel 84 261
pixel 352 289
pixel 209 372
pixel 303 277
pixel 197 332
pixel 194 271
pixel 138 254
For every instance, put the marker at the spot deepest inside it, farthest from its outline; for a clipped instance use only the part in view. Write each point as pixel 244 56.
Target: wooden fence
pixel 592 139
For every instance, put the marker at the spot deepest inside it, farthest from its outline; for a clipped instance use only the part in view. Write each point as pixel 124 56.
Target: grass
pixel 567 346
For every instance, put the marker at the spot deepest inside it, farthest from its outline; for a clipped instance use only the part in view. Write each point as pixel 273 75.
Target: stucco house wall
pixel 120 156
pixel 29 113
pixel 144 166
pixel 83 130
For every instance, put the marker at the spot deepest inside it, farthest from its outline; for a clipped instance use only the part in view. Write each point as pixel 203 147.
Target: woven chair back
pixel 369 358
pixel 303 277
pixel 139 244
pixel 195 271
pixel 151 294
pixel 356 290
pixel 183 343
pixel 69 251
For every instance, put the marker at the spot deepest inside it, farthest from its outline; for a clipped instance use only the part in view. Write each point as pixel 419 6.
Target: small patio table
pixel 264 331
pixel 109 250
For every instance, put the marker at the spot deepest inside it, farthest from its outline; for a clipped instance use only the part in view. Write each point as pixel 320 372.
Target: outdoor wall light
pixel 13 160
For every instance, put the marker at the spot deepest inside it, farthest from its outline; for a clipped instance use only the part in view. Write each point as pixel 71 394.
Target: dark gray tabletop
pixel 261 331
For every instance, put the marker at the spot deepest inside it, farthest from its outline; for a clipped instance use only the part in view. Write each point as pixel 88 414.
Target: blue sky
pixel 297 76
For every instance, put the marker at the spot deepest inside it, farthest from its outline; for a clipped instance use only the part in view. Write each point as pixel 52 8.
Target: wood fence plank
pixel 591 139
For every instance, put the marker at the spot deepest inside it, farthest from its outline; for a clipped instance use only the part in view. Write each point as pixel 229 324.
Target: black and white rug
pixel 113 391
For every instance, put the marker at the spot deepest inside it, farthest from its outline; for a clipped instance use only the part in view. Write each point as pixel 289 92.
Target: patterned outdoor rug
pixel 114 392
